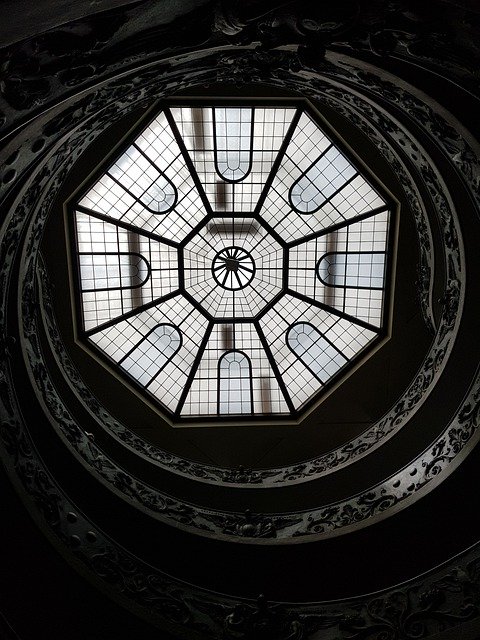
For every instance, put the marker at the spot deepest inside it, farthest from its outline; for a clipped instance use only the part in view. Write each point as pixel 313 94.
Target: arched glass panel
pixel 161 196
pixel 234 384
pixel 321 181
pixel 362 270
pixel 145 361
pixel 137 174
pixel 315 351
pixel 233 139
pixel 106 271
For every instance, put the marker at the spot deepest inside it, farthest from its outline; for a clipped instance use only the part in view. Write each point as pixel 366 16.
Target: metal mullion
pixel 126 189
pixel 152 269
pixel 138 199
pixel 330 197
pixel 119 270
pixel 332 310
pixel 233 214
pixel 275 235
pixel 312 164
pixel 180 269
pixel 197 305
pixel 188 161
pixel 152 162
pixel 191 234
pixel 156 375
pixel 278 160
pixel 388 266
pixel 324 336
pixel 234 299
pixel 345 288
pixel 285 266
pixel 339 225
pixel 303 175
pixel 233 320
pixel 130 314
pixel 135 346
pixel 273 364
pixel 74 244
pixel 234 101
pixel 193 370
pixel 125 225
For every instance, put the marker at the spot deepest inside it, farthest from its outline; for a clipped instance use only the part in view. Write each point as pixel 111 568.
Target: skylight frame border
pixel 144 120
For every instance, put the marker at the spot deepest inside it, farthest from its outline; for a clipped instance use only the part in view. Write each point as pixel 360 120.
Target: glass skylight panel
pixel 120 270
pixel 149 186
pixel 232 260
pixel 315 351
pixel 233 133
pixel 204 396
pixel 249 139
pixel 318 182
pixel 224 258
pixel 345 268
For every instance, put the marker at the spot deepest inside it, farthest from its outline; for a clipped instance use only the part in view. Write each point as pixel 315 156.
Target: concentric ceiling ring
pixel 466 426
pixel 233 268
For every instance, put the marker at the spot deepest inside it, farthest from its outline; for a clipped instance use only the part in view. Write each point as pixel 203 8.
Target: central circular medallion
pixel 233 268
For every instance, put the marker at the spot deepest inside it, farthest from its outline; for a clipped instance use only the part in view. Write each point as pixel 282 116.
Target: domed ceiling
pixel 260 218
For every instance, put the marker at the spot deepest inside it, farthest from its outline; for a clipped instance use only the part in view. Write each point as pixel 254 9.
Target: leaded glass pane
pixel 232 259
pixel 234 383
pixel 349 269
pixel 233 142
pixel 317 353
pixel 152 353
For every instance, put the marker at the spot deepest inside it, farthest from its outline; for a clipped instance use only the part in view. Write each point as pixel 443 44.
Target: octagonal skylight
pixel 233 260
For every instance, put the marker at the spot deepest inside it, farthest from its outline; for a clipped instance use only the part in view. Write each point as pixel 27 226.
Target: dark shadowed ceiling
pixel 356 522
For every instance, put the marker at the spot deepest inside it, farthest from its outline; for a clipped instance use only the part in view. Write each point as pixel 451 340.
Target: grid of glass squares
pixel 260 278
pixel 232 260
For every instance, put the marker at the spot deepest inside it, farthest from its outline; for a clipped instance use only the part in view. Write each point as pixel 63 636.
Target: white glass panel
pixel 152 353
pixel 235 384
pixel 361 270
pixel 112 271
pixel 233 142
pixel 321 181
pixel 318 354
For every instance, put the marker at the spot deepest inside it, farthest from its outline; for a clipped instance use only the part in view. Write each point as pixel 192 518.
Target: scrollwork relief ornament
pixel 276 24
pixel 123 91
pixel 251 525
pixel 262 622
pixel 310 469
pixel 265 526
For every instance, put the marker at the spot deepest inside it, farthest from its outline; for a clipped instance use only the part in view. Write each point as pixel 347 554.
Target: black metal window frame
pixel 301 106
